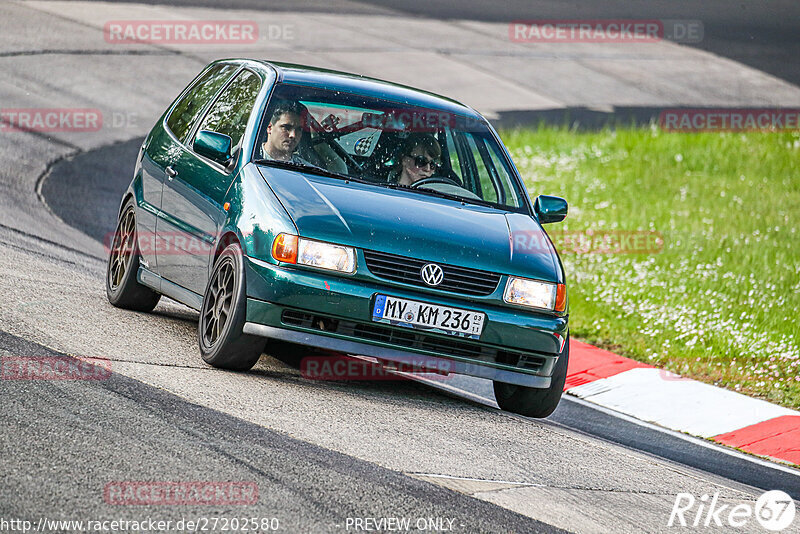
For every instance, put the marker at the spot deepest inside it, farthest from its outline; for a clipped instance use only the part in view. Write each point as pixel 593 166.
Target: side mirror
pixel 550 209
pixel 213 145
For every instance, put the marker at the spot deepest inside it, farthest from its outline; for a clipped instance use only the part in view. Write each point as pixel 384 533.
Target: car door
pixel 162 149
pixel 192 198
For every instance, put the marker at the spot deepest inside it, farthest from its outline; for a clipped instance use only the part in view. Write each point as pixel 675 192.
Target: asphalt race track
pixel 321 454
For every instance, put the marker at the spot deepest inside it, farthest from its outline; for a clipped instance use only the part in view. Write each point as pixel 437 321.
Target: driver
pixel 284 131
pixel 419 159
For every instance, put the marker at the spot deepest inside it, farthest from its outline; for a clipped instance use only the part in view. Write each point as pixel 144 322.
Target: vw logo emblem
pixel 431 274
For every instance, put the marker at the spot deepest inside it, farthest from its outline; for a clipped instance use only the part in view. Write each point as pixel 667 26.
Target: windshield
pixel 394 145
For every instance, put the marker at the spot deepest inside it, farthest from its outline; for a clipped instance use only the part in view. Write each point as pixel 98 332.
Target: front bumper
pixel 334 312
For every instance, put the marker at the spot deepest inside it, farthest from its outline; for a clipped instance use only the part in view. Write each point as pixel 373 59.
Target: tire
pixel 534 402
pixel 222 316
pixel 122 287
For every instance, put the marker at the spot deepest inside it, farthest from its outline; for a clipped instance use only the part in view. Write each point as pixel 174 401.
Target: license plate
pixel 414 314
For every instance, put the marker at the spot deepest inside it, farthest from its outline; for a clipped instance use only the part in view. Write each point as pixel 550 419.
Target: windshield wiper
pixel 306 167
pixel 440 194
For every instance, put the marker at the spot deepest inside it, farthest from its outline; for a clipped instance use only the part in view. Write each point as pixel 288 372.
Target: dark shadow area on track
pixel 764 35
pixel 85 191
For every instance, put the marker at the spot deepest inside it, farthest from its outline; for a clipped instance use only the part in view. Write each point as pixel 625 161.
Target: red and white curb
pixel 653 395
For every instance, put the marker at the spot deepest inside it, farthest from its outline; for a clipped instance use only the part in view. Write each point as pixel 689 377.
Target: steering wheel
pixel 435 180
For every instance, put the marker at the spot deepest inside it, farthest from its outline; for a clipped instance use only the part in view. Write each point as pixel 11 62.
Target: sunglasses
pixel 422 161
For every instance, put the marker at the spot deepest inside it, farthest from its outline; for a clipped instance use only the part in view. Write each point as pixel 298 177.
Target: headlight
pixel 292 249
pixel 536 294
pixel 326 256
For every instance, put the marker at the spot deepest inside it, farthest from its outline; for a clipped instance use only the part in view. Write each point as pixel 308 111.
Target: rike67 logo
pixel 774 511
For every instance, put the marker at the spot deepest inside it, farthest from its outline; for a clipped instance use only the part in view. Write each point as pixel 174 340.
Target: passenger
pixel 419 159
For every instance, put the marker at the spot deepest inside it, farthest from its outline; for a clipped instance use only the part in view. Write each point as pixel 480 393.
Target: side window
pixel 455 164
pixel 488 189
pixel 500 170
pixel 230 112
pixel 188 108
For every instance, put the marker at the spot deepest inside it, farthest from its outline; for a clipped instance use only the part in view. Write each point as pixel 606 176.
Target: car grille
pixel 409 339
pixel 407 270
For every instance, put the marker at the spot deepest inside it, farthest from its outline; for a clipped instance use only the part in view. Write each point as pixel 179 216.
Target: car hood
pixel 416 225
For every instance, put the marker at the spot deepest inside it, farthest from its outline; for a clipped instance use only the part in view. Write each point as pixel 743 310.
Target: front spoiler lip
pixel 397 356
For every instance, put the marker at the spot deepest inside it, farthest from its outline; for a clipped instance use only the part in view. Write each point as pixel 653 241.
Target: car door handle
pixel 171 173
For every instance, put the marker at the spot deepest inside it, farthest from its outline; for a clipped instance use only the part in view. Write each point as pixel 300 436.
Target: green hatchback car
pixel 295 204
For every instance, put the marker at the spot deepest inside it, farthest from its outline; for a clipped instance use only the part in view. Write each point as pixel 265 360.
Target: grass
pixel 720 301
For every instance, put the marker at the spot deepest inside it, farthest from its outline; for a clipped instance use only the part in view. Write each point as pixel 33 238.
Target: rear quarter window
pixel 188 109
pixel 230 112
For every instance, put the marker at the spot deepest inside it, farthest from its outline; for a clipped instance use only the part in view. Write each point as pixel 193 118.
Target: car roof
pixel 355 83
